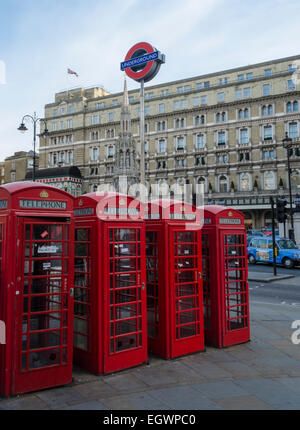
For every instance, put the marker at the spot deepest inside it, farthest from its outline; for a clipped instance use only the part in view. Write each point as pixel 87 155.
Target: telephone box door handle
pixel 71 292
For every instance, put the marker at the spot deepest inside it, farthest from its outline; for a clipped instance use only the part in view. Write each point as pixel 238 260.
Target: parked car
pixel 260 249
pixel 251 232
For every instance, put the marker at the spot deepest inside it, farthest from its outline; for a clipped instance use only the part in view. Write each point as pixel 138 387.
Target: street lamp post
pixel 287 144
pixel 23 128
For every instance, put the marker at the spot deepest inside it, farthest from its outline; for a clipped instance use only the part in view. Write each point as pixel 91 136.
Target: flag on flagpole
pixel 71 72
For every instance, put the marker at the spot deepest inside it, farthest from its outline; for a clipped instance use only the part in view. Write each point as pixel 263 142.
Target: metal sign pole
pixel 273 237
pixel 142 134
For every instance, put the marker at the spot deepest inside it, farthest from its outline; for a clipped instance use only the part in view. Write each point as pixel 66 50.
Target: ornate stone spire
pixel 126 165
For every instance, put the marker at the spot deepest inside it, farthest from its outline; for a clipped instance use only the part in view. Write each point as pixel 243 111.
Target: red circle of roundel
pixel 149 49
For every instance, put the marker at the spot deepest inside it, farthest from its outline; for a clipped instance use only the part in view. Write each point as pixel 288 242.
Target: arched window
pixel 182 122
pixel 295 106
pixel 289 107
pixel 270 110
pixel 223 184
pixel 202 119
pixel 295 180
pixel 197 120
pixel 223 116
pixel 269 181
pixel 127 158
pixel 245 182
pixel 218 117
pixel 264 110
pixel 246 113
pixel 241 114
pixel 121 160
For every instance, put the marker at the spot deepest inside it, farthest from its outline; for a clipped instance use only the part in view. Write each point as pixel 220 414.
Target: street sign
pixel 142 62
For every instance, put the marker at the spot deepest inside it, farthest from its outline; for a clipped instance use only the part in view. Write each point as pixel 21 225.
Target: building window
pixel 161 108
pixel 268 155
pixel 100 105
pixel 69 123
pixel 199 85
pixel 244 136
pixel 200 161
pixel 223 184
pixel 249 76
pixel 95 154
pixel 164 93
pixel 244 157
pixel 238 94
pixel 70 157
pixel 180 162
pixel 162 164
pixel 162 146
pixel 111 151
pixel 200 141
pixel 293 130
pixel 206 84
pixel 71 109
pixel 176 105
pixel 268 73
pixel 269 181
pixel 241 77
pixel 94 135
pixel 180 142
pixel 110 116
pixel 291 85
pixel 266 89
pixel 220 97
pixel 146 147
pixel 221 137
pixel 268 132
pixel 199 119
pixel 203 100
pixel 115 102
pixel 292 106
pixel 55 112
pixel 247 92
pixel 54 126
pixel 179 123
pixel 196 101
pixel 244 182
pixel 222 158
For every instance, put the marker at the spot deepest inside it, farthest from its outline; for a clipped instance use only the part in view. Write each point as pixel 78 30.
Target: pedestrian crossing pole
pixel 273 236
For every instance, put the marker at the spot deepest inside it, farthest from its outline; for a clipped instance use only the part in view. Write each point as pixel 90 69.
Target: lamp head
pixel 22 128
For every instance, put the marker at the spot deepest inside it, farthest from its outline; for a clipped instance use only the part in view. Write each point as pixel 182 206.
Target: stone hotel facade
pixel 223 129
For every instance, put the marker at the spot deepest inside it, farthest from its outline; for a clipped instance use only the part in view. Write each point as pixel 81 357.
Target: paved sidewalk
pixel 266 276
pixel 262 374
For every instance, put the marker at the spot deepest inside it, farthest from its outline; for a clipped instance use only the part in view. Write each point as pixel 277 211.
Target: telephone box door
pixel 235 297
pixel 44 305
pixel 186 295
pixel 125 298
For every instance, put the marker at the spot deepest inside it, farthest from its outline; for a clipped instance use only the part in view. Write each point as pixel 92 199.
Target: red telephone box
pixel 225 273
pixel 174 278
pixel 37 270
pixel 110 313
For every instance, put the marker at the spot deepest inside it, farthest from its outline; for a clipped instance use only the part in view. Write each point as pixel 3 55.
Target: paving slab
pixel 244 403
pixel 184 398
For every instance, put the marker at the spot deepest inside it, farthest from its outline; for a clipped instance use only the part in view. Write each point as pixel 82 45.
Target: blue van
pixel 260 249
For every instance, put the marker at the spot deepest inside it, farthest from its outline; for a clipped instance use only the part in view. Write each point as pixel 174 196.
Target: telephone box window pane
pixel 47 232
pixel 42 267
pixel 47 321
pixel 45 285
pixel 82 264
pixel 81 249
pixel 82 280
pixel 26 285
pixel 125 235
pixel 45 303
pixel 24 362
pixel 81 235
pixel 38 359
pixel 125 296
pixel 27 232
pixel 125 265
pixel 125 249
pixel 24 342
pixel 125 342
pixel 44 340
pixel 81 326
pixel 81 309
pixel 45 249
pixel 25 305
pixel 184 250
pixel 27 250
pixel 185 237
pixel 187 331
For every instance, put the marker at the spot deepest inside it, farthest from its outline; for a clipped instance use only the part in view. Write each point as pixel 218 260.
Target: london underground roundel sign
pixel 142 62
